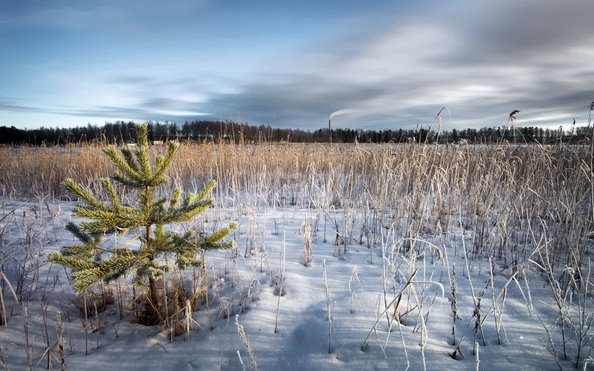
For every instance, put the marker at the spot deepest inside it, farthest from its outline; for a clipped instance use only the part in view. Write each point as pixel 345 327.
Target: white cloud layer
pixel 390 65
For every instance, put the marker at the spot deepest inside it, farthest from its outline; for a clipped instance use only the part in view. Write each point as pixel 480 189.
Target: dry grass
pixel 495 188
pixel 503 194
pixel 521 207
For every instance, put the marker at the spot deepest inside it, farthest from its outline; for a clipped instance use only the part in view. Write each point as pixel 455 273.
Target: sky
pixel 293 64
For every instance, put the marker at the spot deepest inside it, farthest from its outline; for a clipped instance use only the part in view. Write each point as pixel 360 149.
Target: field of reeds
pixel 519 212
pixel 496 190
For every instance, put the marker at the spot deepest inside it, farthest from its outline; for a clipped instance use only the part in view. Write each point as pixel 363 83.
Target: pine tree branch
pixel 129 158
pixel 126 182
pixel 175 198
pixel 81 236
pixel 214 240
pixel 80 193
pixel 207 189
pixel 185 212
pixel 123 165
pixel 75 263
pixel 111 195
pixel 142 156
pixel 108 221
pixel 164 163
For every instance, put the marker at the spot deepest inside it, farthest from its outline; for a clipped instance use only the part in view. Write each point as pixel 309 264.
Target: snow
pixel 358 295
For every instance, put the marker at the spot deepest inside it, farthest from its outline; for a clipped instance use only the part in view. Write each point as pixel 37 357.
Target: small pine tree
pixel 93 262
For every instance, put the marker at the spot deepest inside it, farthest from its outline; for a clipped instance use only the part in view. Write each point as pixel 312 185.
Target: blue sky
pixel 383 64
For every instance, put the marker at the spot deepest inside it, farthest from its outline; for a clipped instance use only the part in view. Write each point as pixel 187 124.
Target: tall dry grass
pixel 503 193
pixel 520 207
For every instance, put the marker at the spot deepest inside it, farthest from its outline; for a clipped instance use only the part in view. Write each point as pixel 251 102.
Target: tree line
pixel 122 132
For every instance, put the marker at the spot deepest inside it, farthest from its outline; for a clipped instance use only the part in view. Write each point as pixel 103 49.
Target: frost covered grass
pixel 349 257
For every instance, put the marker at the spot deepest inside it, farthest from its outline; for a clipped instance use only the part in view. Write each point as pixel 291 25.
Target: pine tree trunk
pixel 152 313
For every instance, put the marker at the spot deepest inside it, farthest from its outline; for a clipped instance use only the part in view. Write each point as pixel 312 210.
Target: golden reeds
pixel 497 188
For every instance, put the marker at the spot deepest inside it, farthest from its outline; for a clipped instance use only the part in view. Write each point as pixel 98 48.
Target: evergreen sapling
pixel 92 261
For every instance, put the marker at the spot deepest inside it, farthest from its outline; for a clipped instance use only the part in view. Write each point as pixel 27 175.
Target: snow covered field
pixel 381 292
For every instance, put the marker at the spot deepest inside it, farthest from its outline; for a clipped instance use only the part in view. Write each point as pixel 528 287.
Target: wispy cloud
pixel 390 63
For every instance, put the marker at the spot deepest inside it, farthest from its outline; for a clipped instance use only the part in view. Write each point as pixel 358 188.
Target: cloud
pixel 152 110
pixel 506 55
pixel 392 66
pixel 526 31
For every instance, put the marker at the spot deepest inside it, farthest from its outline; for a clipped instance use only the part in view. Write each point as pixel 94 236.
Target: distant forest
pixel 230 132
